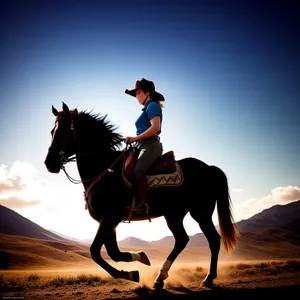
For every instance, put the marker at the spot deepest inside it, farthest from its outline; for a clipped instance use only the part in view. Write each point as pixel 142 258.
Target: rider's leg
pixel 149 152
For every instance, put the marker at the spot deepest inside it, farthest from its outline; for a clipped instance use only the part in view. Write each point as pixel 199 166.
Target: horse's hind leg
pixel 208 228
pixel 175 224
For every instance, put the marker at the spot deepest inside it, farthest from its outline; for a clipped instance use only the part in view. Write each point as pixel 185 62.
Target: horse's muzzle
pixel 53 162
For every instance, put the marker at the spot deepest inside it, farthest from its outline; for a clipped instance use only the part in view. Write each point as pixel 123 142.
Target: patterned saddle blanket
pixel 166 171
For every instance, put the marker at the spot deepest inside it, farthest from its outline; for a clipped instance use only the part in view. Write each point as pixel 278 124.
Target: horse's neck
pixel 91 164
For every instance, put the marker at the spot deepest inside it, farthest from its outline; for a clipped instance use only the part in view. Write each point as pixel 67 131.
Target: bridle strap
pixel 96 178
pixel 62 151
pixel 108 170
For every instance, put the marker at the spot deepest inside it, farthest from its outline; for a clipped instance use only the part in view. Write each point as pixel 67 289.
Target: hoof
pixel 207 283
pixel 158 285
pixel 132 275
pixel 209 280
pixel 144 258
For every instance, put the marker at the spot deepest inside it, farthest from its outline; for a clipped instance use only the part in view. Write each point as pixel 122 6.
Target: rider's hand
pixel 129 140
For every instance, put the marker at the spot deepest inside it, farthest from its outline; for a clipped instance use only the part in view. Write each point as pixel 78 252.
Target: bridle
pixel 64 160
pixel 61 152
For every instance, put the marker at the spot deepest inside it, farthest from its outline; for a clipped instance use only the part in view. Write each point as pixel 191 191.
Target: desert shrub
pixel 82 278
pixel 13 284
pixel 88 278
pixel 275 263
pixel 293 264
pixel 261 265
pixel 72 281
pixel 57 282
pixel 274 270
pixel 243 266
pixel 33 278
pixel 271 267
pixel 3 284
pixel 199 269
pixel 249 271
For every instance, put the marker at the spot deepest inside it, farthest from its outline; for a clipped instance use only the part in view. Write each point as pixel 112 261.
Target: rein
pixel 108 170
pixel 64 161
pixel 96 178
pixel 76 181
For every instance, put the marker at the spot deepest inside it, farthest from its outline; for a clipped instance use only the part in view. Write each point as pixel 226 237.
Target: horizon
pixel 71 238
pixel 228 72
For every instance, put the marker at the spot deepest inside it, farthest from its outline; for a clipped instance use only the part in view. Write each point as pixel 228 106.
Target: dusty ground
pixel 235 281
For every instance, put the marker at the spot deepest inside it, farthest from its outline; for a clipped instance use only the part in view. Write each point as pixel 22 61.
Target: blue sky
pixel 229 71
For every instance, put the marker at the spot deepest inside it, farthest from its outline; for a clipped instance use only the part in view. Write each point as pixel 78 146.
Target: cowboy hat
pixel 147 86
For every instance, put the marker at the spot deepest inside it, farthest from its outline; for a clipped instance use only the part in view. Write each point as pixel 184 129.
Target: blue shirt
pixel 151 110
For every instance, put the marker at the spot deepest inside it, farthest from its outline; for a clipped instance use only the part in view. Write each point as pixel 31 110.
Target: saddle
pixel 165 171
pixel 165 164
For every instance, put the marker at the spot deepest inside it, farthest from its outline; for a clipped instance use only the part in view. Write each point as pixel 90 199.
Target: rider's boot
pixel 142 187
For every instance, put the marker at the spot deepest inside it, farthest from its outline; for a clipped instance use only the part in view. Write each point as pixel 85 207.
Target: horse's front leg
pixel 106 235
pixel 114 252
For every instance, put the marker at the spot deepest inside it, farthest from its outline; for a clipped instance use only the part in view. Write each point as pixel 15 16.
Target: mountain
pixel 274 232
pixel 278 216
pixel 271 234
pixel 71 238
pixel 134 242
pixel 281 222
pixel 197 240
pixel 13 223
pixel 20 252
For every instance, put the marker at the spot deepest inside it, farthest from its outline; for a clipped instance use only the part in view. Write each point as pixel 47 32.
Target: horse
pixel 93 141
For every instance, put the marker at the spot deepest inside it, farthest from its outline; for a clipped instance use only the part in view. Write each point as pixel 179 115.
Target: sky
pixel 229 71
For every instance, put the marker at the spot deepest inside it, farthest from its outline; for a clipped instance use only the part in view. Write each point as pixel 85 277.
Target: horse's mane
pixel 100 126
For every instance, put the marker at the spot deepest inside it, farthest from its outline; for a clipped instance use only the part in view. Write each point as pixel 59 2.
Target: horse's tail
pixel 228 230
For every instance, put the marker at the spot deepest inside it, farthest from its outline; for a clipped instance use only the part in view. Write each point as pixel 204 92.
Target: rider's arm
pixel 153 129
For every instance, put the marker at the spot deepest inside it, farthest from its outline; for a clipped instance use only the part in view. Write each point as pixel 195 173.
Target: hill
pixel 274 233
pixel 19 252
pixel 13 223
pixel 278 217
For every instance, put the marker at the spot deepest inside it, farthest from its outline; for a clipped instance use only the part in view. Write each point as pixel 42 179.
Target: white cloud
pixel 18 203
pixel 11 184
pixel 24 170
pixel 279 195
pixel 52 206
pixel 20 186
pixel 286 194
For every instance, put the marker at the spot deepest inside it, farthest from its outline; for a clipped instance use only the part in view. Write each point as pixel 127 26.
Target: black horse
pixel 100 162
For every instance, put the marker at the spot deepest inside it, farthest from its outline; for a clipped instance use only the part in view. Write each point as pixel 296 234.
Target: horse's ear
pixel 76 111
pixel 54 111
pixel 65 108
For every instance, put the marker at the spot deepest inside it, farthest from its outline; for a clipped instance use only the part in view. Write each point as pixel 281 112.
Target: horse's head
pixel 63 143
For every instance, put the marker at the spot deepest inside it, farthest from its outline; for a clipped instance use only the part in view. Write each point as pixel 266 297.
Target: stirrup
pixel 141 208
